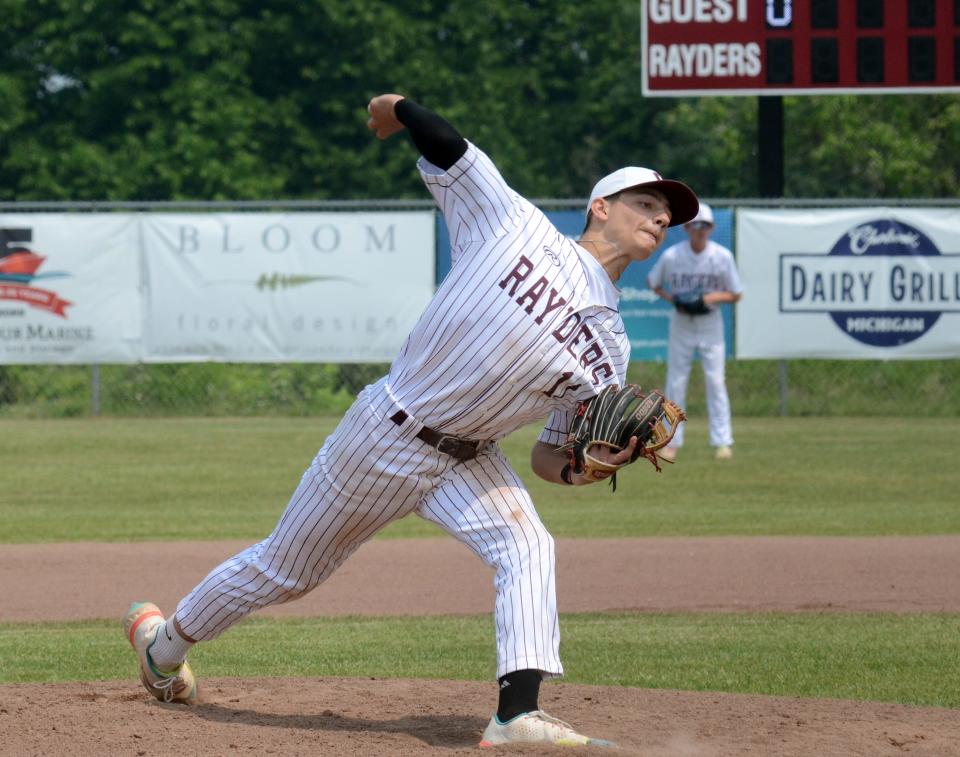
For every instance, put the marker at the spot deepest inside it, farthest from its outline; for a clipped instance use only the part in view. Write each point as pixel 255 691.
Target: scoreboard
pixel 790 47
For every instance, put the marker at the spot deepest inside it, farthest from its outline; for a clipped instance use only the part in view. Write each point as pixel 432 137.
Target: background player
pixel 698 269
pixel 524 327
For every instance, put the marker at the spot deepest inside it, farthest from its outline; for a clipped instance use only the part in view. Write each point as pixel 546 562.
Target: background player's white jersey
pixel 682 270
pixel 526 321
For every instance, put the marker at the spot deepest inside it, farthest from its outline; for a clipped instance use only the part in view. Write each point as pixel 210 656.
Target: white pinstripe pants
pixel 368 473
pixel 703 334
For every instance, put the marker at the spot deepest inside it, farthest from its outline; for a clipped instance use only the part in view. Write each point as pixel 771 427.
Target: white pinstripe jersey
pixel 525 324
pixel 682 270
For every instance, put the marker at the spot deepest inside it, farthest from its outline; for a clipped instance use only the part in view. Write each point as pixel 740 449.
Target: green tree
pixel 873 146
pixel 235 99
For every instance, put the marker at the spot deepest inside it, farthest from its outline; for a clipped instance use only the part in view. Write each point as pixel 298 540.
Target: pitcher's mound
pixel 363 716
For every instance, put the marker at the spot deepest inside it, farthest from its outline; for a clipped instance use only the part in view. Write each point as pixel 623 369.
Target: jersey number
pixel 556 391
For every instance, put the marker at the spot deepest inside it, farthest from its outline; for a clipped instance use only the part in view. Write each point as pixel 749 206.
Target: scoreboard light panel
pixel 793 47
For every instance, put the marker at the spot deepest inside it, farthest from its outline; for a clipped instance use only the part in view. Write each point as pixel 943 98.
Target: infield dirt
pixel 438 576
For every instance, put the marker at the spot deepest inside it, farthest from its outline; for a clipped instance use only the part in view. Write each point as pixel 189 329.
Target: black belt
pixel 461 449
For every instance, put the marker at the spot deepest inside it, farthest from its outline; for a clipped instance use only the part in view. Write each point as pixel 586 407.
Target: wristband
pixel 565 472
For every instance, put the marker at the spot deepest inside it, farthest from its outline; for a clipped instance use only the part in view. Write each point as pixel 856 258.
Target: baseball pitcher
pixel 525 327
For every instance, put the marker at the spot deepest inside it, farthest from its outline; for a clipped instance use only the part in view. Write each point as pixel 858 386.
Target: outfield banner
pixel 860 283
pixel 269 287
pixel 69 288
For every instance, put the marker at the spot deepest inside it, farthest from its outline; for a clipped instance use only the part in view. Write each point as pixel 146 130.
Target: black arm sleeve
pixel 436 139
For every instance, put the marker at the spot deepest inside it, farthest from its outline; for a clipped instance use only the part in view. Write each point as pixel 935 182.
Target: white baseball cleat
pixel 140 625
pixel 723 453
pixel 536 727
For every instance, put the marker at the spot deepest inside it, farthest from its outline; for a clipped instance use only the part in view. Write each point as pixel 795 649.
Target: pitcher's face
pixel 637 221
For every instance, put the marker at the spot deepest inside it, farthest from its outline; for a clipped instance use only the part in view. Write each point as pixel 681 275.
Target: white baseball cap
pixel 683 201
pixel 703 216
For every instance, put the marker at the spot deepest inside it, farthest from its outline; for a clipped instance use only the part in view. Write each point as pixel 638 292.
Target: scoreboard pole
pixel 770 145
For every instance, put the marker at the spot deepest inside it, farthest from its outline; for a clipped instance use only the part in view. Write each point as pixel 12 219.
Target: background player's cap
pixel 683 201
pixel 704 216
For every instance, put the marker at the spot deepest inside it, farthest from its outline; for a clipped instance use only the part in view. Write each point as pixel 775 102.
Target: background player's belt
pixel 461 449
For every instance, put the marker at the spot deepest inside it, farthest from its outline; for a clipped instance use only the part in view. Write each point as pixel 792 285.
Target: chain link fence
pixel 757 388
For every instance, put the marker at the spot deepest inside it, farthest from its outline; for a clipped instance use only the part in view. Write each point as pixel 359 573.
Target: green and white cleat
pixel 536 727
pixel 141 624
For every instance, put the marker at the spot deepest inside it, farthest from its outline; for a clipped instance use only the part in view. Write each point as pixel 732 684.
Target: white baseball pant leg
pixel 713 357
pixel 680 350
pixel 368 473
pixel 485 505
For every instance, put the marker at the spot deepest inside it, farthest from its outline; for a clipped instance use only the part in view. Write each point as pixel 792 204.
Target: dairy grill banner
pixel 877 283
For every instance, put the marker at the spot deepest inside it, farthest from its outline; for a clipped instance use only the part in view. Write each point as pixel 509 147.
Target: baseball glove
pixel 690 303
pixel 610 419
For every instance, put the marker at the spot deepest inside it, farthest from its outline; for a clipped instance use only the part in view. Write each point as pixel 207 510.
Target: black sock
pixel 519 693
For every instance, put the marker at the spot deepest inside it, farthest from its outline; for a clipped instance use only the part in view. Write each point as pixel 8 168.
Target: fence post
pixel 95 390
pixel 783 388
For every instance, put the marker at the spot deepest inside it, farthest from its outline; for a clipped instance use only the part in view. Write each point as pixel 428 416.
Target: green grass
pixel 881 657
pixel 136 479
pixel 194 478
